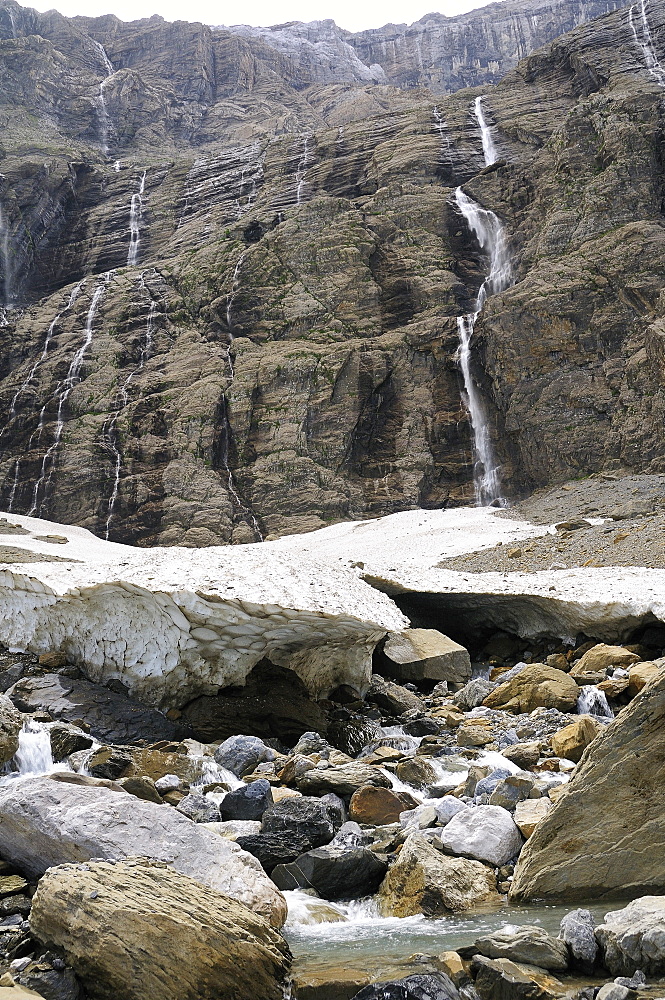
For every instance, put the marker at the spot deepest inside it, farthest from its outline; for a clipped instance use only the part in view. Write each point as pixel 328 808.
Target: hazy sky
pixel 349 14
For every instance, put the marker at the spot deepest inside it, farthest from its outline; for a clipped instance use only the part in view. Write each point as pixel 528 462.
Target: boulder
pixel 641 674
pixel 514 789
pixel 423 880
pixel 525 755
pixel 199 808
pixel 435 986
pixel 447 807
pixel 45 822
pixel 50 983
pixel 107 762
pixel 606 834
pixel 536 685
pixel 234 828
pixel 143 931
pixel 473 694
pixel 393 699
pixel 571 741
pixel 417 771
pixel 424 654
pixel 501 979
pixel 634 937
pixel 577 932
pixel 529 813
pixel 111 716
pixel 11 723
pixel 601 656
pixel 306 817
pixel 487 833
pixel 487 784
pixel 142 788
pixel 247 802
pixel 242 754
pixel 335 872
pixel 378 806
pixel 272 849
pixel 67 739
pixel 528 944
pixel 343 780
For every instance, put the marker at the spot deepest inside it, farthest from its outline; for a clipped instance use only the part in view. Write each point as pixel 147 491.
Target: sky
pixel 348 14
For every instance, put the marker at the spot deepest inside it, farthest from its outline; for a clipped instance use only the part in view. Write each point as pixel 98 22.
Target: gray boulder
pixel 529 944
pixel 198 808
pixel 247 802
pixel 513 789
pixel 634 937
pixel 45 822
pixel 335 872
pixel 342 780
pixel 242 754
pixel 305 817
pixel 424 654
pixel 577 931
pixel 487 833
pixel 473 694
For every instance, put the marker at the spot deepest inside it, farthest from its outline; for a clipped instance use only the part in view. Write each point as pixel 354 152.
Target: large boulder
pixel 247 802
pixel 306 817
pixel 242 754
pixel 634 937
pixel 577 931
pixel 424 654
pixel 342 780
pixel 606 834
pixel 571 741
pixel 142 931
pixel 376 806
pixel 502 979
pixel 423 880
pixel 335 872
pixel 111 716
pixel 535 686
pixel 392 698
pixel 487 833
pixel 45 822
pixel 11 723
pixel 601 656
pixel 432 986
pixel 272 849
pixel 528 944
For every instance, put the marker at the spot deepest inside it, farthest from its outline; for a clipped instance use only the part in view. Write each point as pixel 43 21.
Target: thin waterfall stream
pixel 7 267
pixel 645 43
pixel 105 125
pixel 135 218
pixel 489 232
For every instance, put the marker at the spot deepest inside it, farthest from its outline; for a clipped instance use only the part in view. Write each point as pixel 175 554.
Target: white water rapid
pixel 592 701
pixel 642 36
pixel 62 394
pixel 135 216
pixel 34 755
pixel 105 125
pixel 490 151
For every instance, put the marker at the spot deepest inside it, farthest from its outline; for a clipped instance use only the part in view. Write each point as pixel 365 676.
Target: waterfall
pixel 646 45
pixel 301 171
pixel 6 262
pixel 490 235
pixel 135 215
pixel 62 393
pixel 592 701
pixel 105 124
pixel 34 755
pixel 490 151
pixel 12 494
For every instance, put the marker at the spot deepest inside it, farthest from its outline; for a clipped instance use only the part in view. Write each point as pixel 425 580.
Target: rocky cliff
pixel 231 276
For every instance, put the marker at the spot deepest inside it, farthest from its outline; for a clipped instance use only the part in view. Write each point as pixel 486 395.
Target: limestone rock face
pixel 423 880
pixel 419 654
pixel 534 686
pixel 592 842
pixel 142 931
pixel 45 823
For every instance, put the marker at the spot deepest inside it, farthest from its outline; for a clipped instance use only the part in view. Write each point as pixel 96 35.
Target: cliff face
pixel 232 276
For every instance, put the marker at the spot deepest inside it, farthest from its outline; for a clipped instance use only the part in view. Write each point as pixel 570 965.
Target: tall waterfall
pixel 301 171
pixel 135 216
pixel 105 124
pixel 6 261
pixel 488 230
pixel 62 393
pixel 644 41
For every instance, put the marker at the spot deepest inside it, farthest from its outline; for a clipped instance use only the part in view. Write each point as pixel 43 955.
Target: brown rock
pixel 11 723
pixel 571 741
pixel 601 656
pixel 450 715
pixel 418 654
pixel 417 771
pixel 379 806
pixel 473 736
pixel 641 674
pixel 52 660
pixel 142 787
pixel 142 931
pixel 535 686
pixel 525 755
pixel 613 687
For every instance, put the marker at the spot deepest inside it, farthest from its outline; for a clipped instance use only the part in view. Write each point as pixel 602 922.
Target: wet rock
pixel 437 986
pixel 514 789
pixel 343 780
pixel 571 741
pixel 529 945
pixel 473 694
pixel 501 979
pixel 306 817
pixel 197 944
pixel 112 717
pixel 577 932
pixel 247 802
pixel 423 880
pixel 142 787
pixel 487 784
pixel 417 771
pixel 487 833
pixel 335 872
pixel 11 724
pixel 272 849
pixel 51 983
pixel 242 754
pixel 615 804
pixel 529 813
pixel 392 698
pixel 424 654
pixel 108 762
pixel 378 806
pixel 534 686
pixel 634 938
pixel 46 822
pixel 198 808
pixel 67 739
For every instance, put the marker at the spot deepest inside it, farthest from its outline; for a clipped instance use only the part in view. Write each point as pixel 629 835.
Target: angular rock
pixel 514 789
pixel 601 656
pixel 375 806
pixel 577 931
pixel 234 828
pixel 142 788
pixel 343 780
pixel 196 945
pixel 242 754
pixel 529 813
pixel 417 771
pixel 108 762
pixel 571 741
pixel 447 807
pixel 335 872
pixel 45 822
pixel 473 694
pixel 641 674
pixel 535 686
pixel 247 802
pixel 199 808
pixel 487 784
pixel 487 833
pixel 11 723
pixel 634 938
pixel 306 817
pixel 530 945
pixel 67 739
pixel 501 979
pixel 272 849
pixel 47 982
pixel 435 986
pixel 392 698
pixel 423 880
pixel 424 654
pixel 614 806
